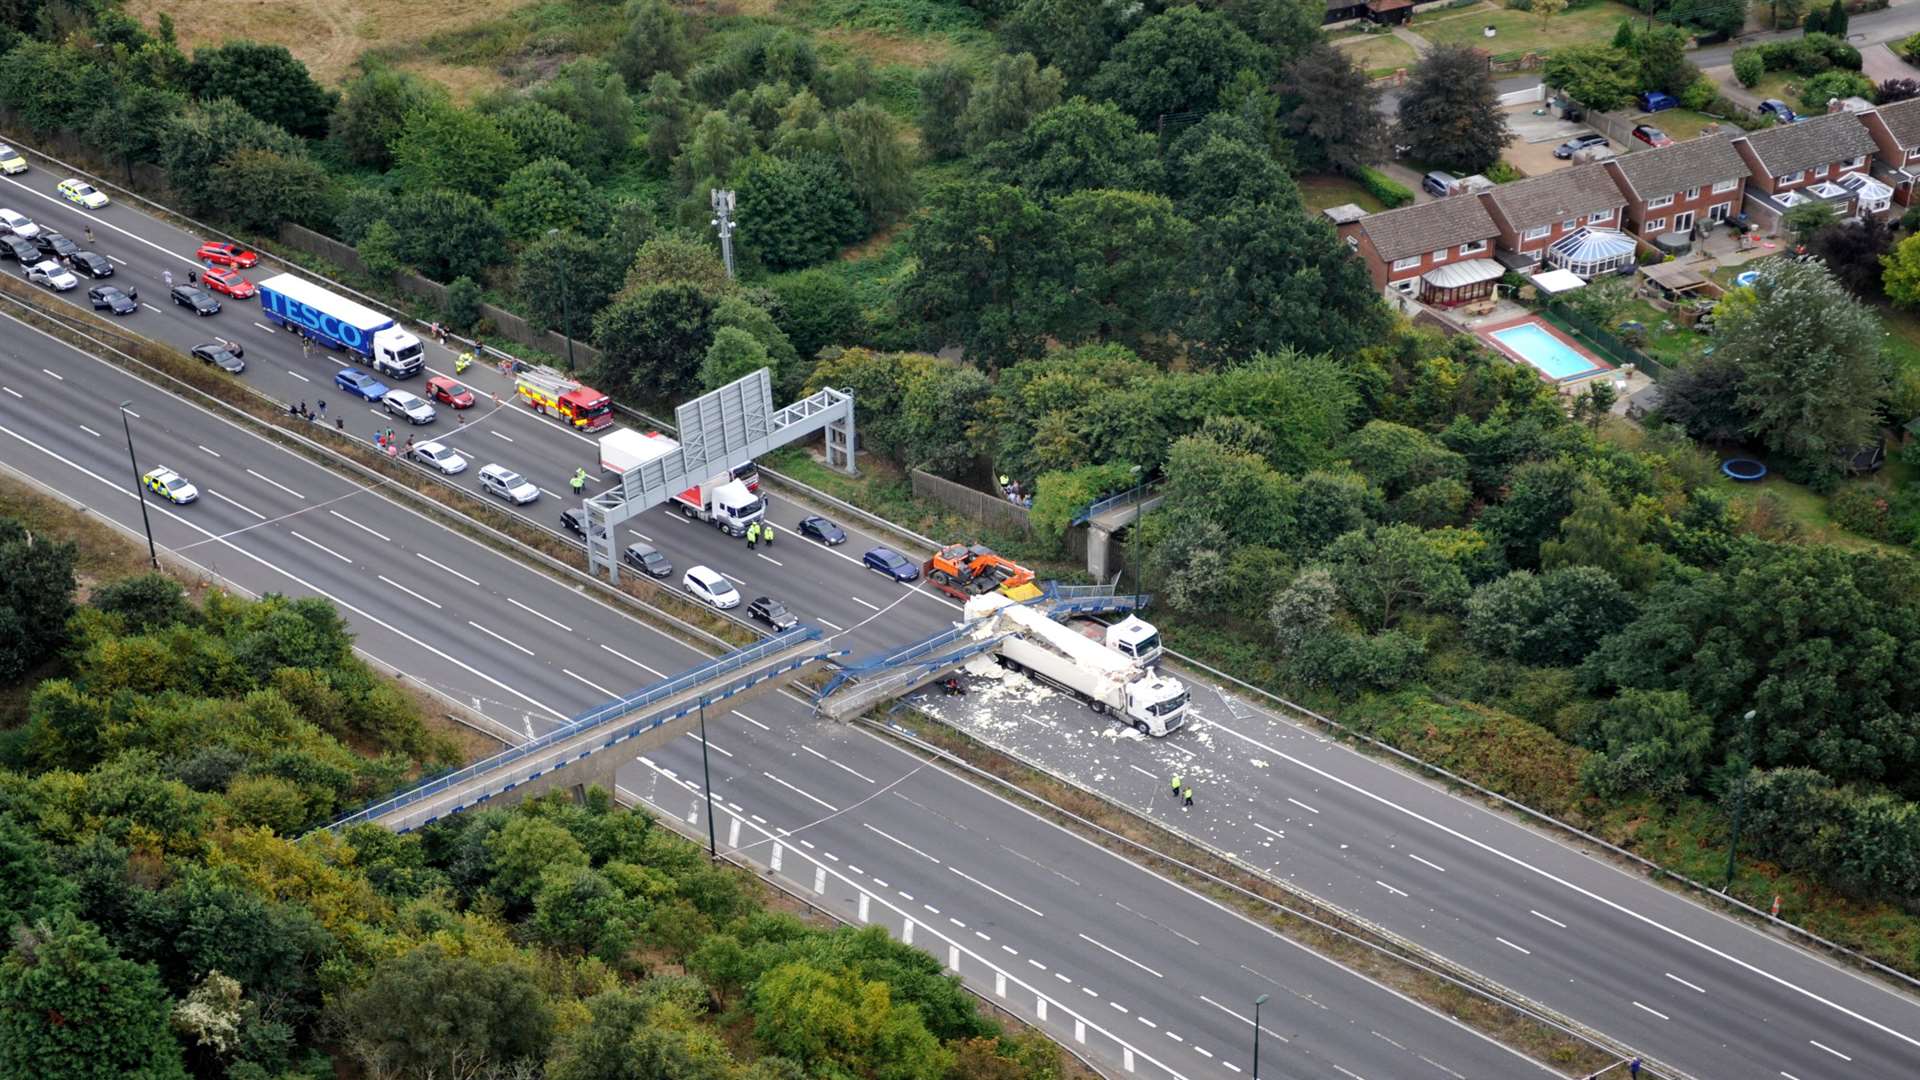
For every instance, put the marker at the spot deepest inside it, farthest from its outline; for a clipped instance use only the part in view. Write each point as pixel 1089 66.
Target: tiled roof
pixel 1557 196
pixel 1423 227
pixel 1701 162
pixel 1903 119
pixel 1785 149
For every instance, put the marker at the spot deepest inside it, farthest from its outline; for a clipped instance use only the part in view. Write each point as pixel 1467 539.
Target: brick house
pixel 1440 252
pixel 1821 159
pixel 1677 187
pixel 1896 137
pixel 1533 215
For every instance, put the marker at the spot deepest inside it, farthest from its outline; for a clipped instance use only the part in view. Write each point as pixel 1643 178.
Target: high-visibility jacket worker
pixel 462 363
pixel 578 481
pixel 766 534
pixel 1176 785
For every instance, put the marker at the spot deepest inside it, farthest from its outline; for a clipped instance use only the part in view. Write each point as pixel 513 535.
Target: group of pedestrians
pixel 1010 490
pixel 760 532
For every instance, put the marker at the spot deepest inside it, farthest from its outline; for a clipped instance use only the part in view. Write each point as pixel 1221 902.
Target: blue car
pixel 891 563
pixel 1656 101
pixel 360 384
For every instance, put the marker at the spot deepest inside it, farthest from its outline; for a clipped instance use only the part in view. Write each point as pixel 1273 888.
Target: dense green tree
pixel 36 598
pixel 259 189
pixel 1723 17
pixel 424 1009
pixel 31 889
pixel 1384 573
pixel 1552 618
pixel 1810 363
pixel 1120 248
pixel 1600 77
pixel 548 194
pixel 1003 102
pixel 1304 608
pixel 1399 458
pixel 51 87
pixel 795 213
pixel 743 311
pixel 1208 175
pixel 130 125
pixel 1650 741
pixel 202 137
pixel 1076 146
pixel 716 145
pixel 524 849
pixel 1600 532
pixel 1449 113
pixel 654 42
pixel 945 90
pixel 71 1008
pixel 679 255
pixel 1330 111
pixel 144 602
pixel 920 407
pixel 877 161
pixel 265 80
pixel 817 308
pixel 1180 60
pixel 833 1022
pixel 1539 497
pixel 441 146
pixel 374 111
pixel 542 131
pixel 1661 51
pixel 630 1036
pixel 563 274
pixel 1290 27
pixel 652 340
pixel 1253 272
pixel 985 263
pixel 734 354
pixel 592 94
pixel 1074 36
pixel 445 234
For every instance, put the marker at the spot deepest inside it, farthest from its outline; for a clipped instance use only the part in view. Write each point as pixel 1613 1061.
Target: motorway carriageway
pixel 1109 958
pixel 1686 984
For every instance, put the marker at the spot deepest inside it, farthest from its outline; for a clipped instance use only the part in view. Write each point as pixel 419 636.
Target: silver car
pixel 52 275
pixel 440 457
pixel 509 485
pixel 412 407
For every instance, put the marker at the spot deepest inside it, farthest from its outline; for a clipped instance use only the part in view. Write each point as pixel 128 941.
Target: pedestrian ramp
pixel 592 745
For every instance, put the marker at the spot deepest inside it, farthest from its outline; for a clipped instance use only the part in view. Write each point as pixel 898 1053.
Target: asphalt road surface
pixel 1126 967
pixel 1680 981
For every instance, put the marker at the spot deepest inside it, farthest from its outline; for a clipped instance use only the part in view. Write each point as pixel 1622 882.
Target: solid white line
pixel 1425 862
pixel 297 375
pixel 296 579
pixel 1660 1014
pixel 242 506
pixel 1684 982
pixel 631 660
pixel 857 600
pixel 298 536
pixel 496 434
pixel 408 591
pixel 97 435
pixel 1122 956
pixel 1831 1050
pixel 265 327
pixel 279 485
pixel 371 532
pixel 798 791
pixel 771 559
pixel 447 568
pixel 507 641
pixel 1511 945
pixel 215 453
pixel 590 682
pixel 1549 918
pixel 541 614
pixel 749 719
pixel 902 843
pixel 1388 887
pixel 15 393
pixel 55 374
pixel 715 747
pixel 836 764
pixel 1301 805
pixel 1036 911
pixel 1570 886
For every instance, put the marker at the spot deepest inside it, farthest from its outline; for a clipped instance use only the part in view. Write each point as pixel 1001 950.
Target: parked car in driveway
pixel 113 299
pixel 1652 136
pixel 1656 101
pixel 1438 184
pixel 1578 143
pixel 1779 110
pixel 885 560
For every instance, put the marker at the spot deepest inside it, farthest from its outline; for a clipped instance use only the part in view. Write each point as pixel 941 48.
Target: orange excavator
pixel 967 570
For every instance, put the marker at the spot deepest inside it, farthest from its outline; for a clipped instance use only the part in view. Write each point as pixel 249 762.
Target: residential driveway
pixel 1878 63
pixel 1534 138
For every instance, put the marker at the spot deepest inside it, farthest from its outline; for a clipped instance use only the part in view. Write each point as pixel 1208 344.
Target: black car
pixel 772 612
pixel 1779 110
pixel 15 246
pixel 647 560
pixel 575 519
pixel 54 246
pixel 197 298
pixel 91 263
pixel 114 300
pixel 221 357
pixel 819 528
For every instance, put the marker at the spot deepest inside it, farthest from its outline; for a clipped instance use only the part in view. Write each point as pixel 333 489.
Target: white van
pixel 509 485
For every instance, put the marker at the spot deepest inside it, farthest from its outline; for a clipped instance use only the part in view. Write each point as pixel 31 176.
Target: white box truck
pixel 721 501
pixel 629 449
pixel 1102 676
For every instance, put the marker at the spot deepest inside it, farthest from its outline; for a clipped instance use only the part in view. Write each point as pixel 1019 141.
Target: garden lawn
pixel 1320 191
pixel 1681 124
pixel 1519 32
pixel 1379 54
pixel 1903 337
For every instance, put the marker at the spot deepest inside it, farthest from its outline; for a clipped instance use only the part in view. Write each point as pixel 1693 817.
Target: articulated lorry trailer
pixel 723 500
pixel 339 323
pixel 1105 678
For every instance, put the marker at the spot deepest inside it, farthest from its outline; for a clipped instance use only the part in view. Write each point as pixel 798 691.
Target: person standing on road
pixel 1176 785
pixel 753 535
pixel 322 402
pixel 167 276
pixel 1187 794
pixel 766 533
pixel 89 230
pixel 578 481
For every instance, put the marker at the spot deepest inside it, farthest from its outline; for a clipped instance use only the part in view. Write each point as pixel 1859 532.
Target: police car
pixel 81 193
pixel 170 485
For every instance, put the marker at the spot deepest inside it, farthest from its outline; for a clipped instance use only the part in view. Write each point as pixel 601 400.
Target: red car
pixel 447 392
pixel 220 253
pixel 1652 136
pixel 229 282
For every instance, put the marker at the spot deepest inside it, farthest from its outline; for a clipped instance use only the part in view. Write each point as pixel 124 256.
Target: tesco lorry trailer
pixel 339 323
pixel 1104 677
pixel 722 501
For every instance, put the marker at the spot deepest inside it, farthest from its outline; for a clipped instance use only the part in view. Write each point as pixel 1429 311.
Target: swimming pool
pixel 1558 360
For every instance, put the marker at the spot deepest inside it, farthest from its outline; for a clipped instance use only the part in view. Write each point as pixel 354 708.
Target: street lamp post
pixel 706 778
pixel 1740 799
pixel 566 308
pixel 139 490
pixel 1257 1002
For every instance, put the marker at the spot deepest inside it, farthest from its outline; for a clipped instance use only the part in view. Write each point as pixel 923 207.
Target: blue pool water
pixel 1555 358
